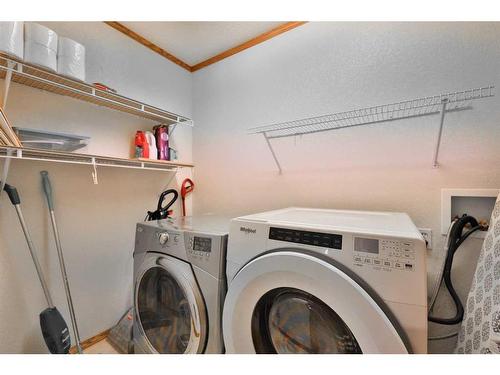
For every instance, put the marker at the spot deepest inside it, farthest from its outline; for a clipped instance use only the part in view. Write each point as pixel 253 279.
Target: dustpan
pixel 120 336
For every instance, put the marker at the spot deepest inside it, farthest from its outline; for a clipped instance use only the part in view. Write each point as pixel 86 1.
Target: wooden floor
pixel 101 347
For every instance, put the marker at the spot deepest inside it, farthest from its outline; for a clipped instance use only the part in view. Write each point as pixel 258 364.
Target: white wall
pixel 97 222
pixel 323 68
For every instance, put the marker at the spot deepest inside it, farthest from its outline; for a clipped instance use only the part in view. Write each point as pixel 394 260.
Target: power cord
pixel 438 283
pixel 443 337
pixel 162 211
pixel 456 238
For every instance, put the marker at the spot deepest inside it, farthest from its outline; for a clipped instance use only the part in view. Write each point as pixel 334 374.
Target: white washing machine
pixel 325 281
pixel 180 284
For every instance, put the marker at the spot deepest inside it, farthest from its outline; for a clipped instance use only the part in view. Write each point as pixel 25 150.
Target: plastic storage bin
pixel 46 140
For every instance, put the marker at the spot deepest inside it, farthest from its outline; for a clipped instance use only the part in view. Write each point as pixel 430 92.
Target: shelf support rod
pixel 435 163
pixel 174 173
pixel 5 171
pixel 6 84
pixel 94 172
pixel 272 152
pixel 171 130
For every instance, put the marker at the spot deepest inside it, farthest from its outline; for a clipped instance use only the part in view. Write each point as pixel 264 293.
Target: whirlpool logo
pixel 248 230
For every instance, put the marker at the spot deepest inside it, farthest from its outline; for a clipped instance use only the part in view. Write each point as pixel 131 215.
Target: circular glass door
pixel 164 311
pixel 290 301
pixel 170 310
pixel 291 321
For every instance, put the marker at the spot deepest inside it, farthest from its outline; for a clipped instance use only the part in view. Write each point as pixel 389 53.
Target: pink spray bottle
pixel 161 135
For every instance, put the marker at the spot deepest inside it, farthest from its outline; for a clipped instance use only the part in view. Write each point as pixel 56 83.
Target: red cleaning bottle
pixel 141 145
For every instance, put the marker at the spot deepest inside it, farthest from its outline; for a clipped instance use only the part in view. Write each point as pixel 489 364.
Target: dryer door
pixel 169 308
pixel 296 302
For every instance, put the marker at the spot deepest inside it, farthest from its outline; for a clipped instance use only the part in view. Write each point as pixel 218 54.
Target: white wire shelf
pixel 92 160
pixel 431 105
pixel 39 78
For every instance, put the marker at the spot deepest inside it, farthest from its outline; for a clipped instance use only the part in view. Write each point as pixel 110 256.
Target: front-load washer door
pixel 298 302
pixel 169 307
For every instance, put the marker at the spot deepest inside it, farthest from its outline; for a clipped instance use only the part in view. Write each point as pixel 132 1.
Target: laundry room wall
pixel 96 222
pixel 322 68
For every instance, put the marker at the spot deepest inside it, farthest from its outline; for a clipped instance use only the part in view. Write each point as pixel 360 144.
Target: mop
pixel 47 188
pixel 54 329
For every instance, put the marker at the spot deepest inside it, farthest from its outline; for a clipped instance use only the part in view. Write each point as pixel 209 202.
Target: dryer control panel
pixel 384 253
pixel 200 246
pixel 330 240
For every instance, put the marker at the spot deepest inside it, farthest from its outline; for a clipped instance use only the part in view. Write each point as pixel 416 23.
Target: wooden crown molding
pixel 138 38
pixel 249 43
pixel 212 60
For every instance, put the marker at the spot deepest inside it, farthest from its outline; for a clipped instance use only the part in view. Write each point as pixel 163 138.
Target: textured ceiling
pixel 193 42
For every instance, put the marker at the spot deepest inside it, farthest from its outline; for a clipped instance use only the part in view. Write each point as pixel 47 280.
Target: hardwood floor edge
pixel 91 341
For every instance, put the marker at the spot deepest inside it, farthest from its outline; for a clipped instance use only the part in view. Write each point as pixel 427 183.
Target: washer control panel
pixel 199 246
pixel 384 254
pixel 166 239
pixel 201 243
pixel 163 238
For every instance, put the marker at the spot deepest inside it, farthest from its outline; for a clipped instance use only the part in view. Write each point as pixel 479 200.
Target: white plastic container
pixel 71 59
pixel 153 151
pixel 40 46
pixel 12 39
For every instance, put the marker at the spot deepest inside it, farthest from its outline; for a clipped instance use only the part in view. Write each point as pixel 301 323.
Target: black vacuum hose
pixel 162 211
pixel 455 240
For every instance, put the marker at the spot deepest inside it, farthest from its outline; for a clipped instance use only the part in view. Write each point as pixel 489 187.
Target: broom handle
pixel 16 202
pixel 47 188
pixel 34 257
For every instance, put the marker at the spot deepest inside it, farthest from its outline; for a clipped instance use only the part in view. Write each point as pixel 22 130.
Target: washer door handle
pixel 195 321
pixel 195 318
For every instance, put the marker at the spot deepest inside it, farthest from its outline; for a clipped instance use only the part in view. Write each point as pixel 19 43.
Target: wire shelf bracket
pixel 5 171
pixel 427 106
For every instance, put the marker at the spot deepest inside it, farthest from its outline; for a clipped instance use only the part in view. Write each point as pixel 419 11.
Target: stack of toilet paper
pixel 40 46
pixel 12 38
pixel 71 59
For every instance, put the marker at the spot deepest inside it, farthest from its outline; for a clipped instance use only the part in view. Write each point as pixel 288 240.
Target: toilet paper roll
pixel 69 47
pixel 35 33
pixel 68 67
pixel 12 39
pixel 39 54
pixel 71 59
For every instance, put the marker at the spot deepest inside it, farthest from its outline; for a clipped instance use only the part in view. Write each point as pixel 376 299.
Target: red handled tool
pixel 186 188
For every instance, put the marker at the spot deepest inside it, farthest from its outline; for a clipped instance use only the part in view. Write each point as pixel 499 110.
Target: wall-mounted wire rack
pixel 33 76
pixel 431 105
pixel 13 70
pixel 94 161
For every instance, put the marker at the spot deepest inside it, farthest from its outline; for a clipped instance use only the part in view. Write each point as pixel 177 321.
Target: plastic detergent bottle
pixel 153 151
pixel 161 134
pixel 141 145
